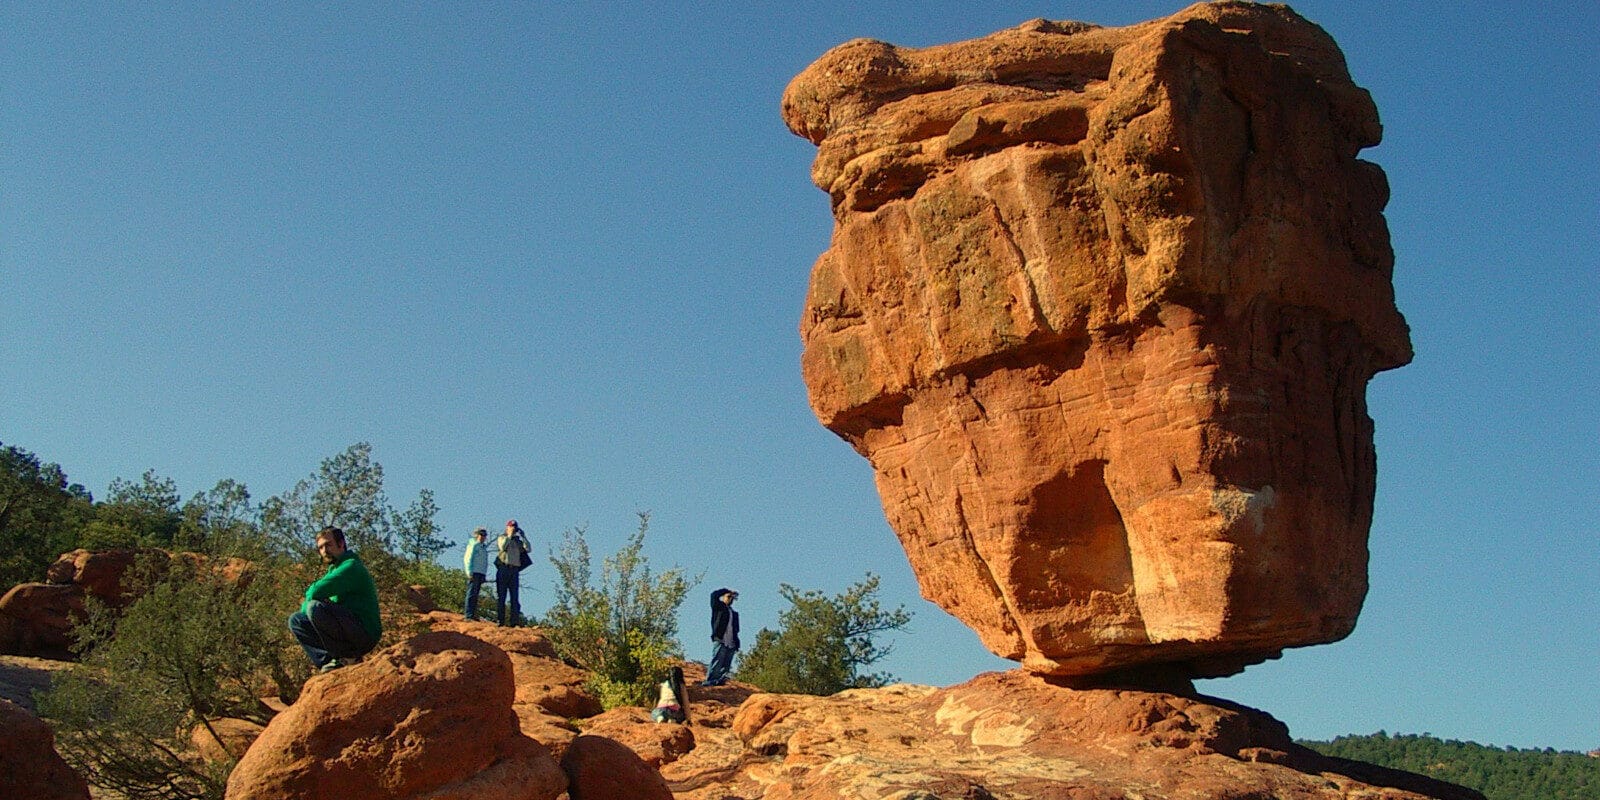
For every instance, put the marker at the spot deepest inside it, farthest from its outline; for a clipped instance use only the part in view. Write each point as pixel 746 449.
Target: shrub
pixel 623 630
pixel 824 642
pixel 192 649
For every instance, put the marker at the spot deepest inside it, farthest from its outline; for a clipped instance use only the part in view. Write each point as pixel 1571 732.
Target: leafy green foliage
pixel 192 649
pixel 823 643
pixel 40 515
pixel 222 522
pixel 446 585
pixel 415 531
pixel 346 492
pixel 623 629
pixel 1500 773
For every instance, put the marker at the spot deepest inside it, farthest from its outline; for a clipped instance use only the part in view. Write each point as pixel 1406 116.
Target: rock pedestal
pixel 1101 307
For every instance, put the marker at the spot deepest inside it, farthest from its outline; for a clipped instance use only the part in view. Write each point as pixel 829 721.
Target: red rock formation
pixel 1012 735
pixel 430 717
pixel 1100 308
pixel 656 743
pixel 36 619
pixel 603 769
pixel 29 763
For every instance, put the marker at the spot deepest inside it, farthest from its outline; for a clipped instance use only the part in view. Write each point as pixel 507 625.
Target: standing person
pixel 725 632
pixel 476 562
pixel 338 622
pixel 509 562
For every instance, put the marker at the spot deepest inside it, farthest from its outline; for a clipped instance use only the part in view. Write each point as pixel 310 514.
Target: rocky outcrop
pixel 1101 307
pixel 604 769
pixel 1010 736
pixel 428 718
pixel 549 693
pixel 656 743
pixel 29 762
pixel 36 619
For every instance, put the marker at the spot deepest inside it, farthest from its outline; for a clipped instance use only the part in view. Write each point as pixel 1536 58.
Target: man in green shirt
pixel 338 622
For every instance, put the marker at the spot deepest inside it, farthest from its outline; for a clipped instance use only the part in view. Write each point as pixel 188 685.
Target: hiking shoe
pixel 331 665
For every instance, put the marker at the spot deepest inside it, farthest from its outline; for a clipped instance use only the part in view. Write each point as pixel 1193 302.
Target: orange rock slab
pixel 430 717
pixel 1100 308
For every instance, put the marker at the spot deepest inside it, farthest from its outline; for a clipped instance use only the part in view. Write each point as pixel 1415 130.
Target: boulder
pixel 1015 735
pixel 100 573
pixel 602 769
pixel 1100 308
pixel 36 619
pixel 527 641
pixel 656 743
pixel 430 717
pixel 29 761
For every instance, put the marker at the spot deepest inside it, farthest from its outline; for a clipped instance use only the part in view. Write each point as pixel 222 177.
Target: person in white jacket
pixel 476 563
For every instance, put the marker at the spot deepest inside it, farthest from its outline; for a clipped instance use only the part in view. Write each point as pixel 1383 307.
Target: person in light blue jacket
pixel 476 563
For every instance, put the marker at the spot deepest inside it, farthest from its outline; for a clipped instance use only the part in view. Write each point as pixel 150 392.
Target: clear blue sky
pixel 549 260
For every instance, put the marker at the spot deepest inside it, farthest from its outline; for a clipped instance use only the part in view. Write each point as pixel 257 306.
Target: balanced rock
pixel 1100 308
pixel 428 718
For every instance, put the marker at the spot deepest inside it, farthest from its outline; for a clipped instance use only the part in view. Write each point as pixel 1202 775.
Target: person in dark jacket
pixel 510 560
pixel 338 623
pixel 725 633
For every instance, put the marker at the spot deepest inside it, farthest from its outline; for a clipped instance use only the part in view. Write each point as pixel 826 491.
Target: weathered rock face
pixel 1101 307
pixel 29 764
pixel 1008 736
pixel 430 717
pixel 36 619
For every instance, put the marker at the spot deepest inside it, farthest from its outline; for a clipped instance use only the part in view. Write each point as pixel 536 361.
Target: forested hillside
pixel 1500 773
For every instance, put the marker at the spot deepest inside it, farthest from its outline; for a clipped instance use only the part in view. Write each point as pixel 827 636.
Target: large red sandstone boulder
pixel 527 641
pixel 36 619
pixel 602 769
pixel 656 743
pixel 29 762
pixel 1013 735
pixel 100 573
pixel 430 717
pixel 1101 307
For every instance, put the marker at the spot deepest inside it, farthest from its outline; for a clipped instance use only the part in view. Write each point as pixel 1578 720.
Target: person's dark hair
pixel 331 533
pixel 675 675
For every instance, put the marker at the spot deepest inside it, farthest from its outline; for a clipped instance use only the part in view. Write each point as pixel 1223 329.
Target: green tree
pixel 194 648
pixel 346 491
pixel 623 629
pixel 143 513
pixel 824 643
pixel 221 521
pixel 415 531
pixel 40 515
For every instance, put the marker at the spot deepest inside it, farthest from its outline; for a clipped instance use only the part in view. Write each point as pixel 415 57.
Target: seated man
pixel 338 622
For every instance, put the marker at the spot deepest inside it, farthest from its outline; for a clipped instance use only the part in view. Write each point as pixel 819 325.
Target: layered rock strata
pixel 1100 307
pixel 1011 736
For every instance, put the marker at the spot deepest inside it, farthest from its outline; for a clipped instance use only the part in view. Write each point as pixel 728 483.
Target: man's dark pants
pixel 505 583
pixel 474 585
pixel 329 632
pixel 721 662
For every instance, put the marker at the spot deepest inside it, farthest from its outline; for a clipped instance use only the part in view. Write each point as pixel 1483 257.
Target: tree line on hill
pixel 1500 773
